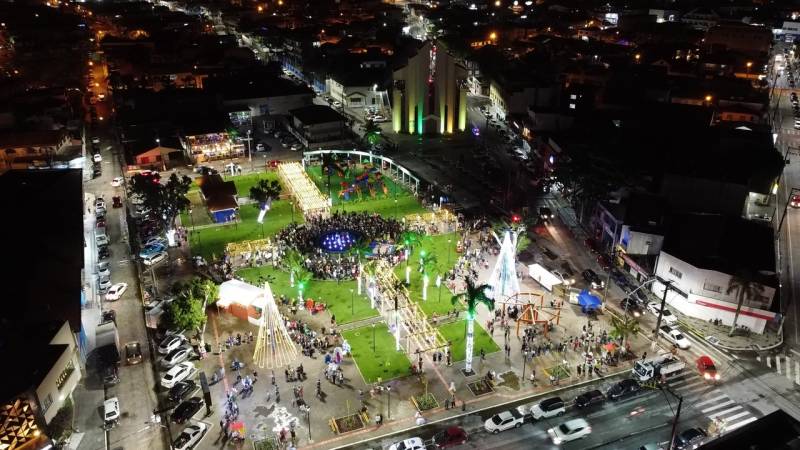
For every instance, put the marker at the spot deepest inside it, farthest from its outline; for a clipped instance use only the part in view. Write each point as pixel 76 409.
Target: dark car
pixel 590 398
pixel 690 439
pixel 109 316
pixel 623 389
pixel 604 262
pixel 103 252
pixel 546 214
pixel 96 173
pixel 450 437
pixel 593 279
pixel 181 390
pixel 187 409
pixel 633 307
pixel 110 375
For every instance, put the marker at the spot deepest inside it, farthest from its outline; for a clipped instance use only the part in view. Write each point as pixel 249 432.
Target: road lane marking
pixel 721 405
pixel 740 424
pixel 736 416
pixel 722 413
pixel 711 400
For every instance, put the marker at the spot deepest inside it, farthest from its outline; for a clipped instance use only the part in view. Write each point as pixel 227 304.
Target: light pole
pixel 291 203
pixel 308 422
pixel 191 230
pixel 373 338
pixel 249 150
pixel 524 364
pixel 352 302
pixel 389 402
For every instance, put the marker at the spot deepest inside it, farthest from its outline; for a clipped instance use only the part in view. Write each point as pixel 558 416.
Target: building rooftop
pixel 316 114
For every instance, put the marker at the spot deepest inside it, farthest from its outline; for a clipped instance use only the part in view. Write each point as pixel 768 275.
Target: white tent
pixel 243 299
pixel 543 276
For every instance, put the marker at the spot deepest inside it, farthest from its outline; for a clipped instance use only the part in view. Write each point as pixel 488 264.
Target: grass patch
pixel 336 296
pixel 455 332
pixel 384 362
pixel 438 246
pixel 392 189
pixel 212 240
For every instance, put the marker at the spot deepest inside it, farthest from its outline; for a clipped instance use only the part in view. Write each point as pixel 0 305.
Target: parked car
pixel 101 239
pixel 413 443
pixel 549 407
pixel 176 356
pixel 103 270
pixel 103 285
pixel 666 316
pixel 116 291
pixel 155 240
pixel 170 343
pixel 117 182
pixel 603 262
pixel 449 437
pixel 151 250
pixel 133 352
pixel 570 431
pixel 111 411
pixel 674 336
pixel 590 398
pixel 707 368
pixel 593 279
pixel 190 436
pixel 181 390
pixel 546 214
pixel 154 259
pixel 97 158
pixel 633 307
pixel 110 375
pixel 504 421
pixel 187 410
pixel 624 388
pixel 178 373
pixel 108 315
pixel 99 204
pixel 690 439
pixel 103 252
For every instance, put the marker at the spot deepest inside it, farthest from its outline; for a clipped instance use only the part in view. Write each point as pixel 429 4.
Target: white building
pixel 700 258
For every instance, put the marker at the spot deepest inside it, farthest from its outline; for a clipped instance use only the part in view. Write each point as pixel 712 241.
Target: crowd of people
pixel 306 237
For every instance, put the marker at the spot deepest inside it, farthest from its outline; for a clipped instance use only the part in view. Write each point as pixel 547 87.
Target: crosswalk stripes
pixel 711 401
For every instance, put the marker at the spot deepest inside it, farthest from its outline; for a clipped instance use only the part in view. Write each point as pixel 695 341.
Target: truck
pixel 107 343
pixel 664 365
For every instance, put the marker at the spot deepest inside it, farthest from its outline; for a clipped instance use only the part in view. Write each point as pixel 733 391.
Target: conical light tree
pixel 473 296
pixel 503 281
pixel 274 347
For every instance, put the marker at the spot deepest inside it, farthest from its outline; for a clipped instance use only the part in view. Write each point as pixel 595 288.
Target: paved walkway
pixel 719 336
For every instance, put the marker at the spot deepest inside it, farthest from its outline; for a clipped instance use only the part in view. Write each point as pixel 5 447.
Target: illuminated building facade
pixel 429 95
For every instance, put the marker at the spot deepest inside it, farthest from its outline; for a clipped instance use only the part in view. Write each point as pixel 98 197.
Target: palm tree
pixel 208 291
pixel 371 133
pixel 427 265
pixel 623 327
pixel 302 277
pixel 263 193
pixel 295 263
pixel 361 248
pixel 473 296
pixel 745 287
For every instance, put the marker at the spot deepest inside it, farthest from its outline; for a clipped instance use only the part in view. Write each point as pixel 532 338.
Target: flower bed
pixel 480 387
pixel 348 423
pixel 424 402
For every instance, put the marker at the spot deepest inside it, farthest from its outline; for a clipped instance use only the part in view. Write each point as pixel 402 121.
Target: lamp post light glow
pixel 408 275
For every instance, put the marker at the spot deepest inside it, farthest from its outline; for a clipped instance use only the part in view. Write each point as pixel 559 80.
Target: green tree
pixel 208 291
pixel 186 311
pixel 164 200
pixel 472 296
pixel 294 263
pixel 622 327
pixel 428 265
pixel 746 288
pixel 372 133
pixel 265 192
pixel 361 248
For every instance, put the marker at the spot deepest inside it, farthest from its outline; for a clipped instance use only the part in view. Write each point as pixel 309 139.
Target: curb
pixel 374 437
pixel 752 348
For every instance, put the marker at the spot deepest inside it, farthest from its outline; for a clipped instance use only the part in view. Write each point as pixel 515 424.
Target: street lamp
pixel 291 203
pixel 308 422
pixel 524 364
pixel 373 338
pixel 389 402
pixel 352 301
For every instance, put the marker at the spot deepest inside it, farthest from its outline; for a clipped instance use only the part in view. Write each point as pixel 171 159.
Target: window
pixel 46 402
pixel 677 274
pixel 64 376
pixel 712 287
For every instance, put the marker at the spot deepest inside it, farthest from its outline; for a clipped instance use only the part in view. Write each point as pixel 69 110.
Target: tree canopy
pixel 164 200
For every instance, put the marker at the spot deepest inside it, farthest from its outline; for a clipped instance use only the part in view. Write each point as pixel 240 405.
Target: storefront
pixel 212 146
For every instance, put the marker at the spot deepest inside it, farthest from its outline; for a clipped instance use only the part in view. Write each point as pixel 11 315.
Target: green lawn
pixel 456 333
pixel 439 246
pixel 211 241
pixel 384 362
pixel 337 296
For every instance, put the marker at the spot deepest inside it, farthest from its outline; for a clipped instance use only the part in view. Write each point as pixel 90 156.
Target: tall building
pixel 430 93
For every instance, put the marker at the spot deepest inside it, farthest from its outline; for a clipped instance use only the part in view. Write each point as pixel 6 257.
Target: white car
pixel 190 436
pixel 116 291
pixel 155 258
pixel 666 316
pixel 674 336
pixel 95 140
pixel 103 270
pixel 570 431
pixel 97 157
pixel 176 356
pixel 176 374
pixel 504 421
pixel 155 240
pixel 170 343
pixel 111 409
pixel 99 204
pixel 414 443
pixel 117 181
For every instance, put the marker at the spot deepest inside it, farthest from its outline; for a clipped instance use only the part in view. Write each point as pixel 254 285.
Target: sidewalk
pixel 719 337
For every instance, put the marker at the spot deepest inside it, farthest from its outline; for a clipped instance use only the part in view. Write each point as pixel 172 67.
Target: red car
pixel 795 203
pixel 590 244
pixel 117 202
pixel 603 262
pixel 450 437
pixel 707 369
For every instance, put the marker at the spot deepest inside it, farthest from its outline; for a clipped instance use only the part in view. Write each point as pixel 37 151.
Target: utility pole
pixel 667 285
pixel 791 194
pixel 675 420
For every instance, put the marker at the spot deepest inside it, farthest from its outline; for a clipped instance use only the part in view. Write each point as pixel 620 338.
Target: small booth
pixel 243 300
pixel 589 303
pixel 543 276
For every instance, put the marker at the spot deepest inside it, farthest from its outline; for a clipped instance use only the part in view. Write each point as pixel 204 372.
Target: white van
pixel 155 258
pixel 101 239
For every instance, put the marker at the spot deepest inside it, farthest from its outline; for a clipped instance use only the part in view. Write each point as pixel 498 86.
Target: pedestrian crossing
pixel 722 411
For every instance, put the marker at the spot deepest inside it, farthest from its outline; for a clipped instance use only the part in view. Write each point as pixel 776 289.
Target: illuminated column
pixel 462 109
pixel 397 109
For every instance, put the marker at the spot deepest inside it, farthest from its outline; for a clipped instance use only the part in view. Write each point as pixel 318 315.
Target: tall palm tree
pixel 623 327
pixel 263 193
pixel 473 296
pixel 745 287
pixel 427 265
pixel 294 262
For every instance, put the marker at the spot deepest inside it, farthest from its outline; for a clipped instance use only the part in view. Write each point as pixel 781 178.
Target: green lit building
pixel 429 94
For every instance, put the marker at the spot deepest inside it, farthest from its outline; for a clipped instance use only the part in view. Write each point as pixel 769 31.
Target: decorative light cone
pixel 503 281
pixel 274 347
